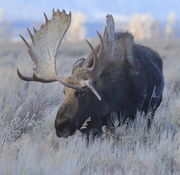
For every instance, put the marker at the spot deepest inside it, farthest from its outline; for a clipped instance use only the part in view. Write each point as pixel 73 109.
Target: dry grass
pixel 28 144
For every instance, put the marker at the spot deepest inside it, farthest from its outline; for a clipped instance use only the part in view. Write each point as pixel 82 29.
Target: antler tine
pixel 33 78
pixel 53 12
pixel 26 43
pixel 105 32
pixel 22 77
pixel 94 54
pixel 93 90
pixel 34 30
pixel 109 29
pixel 101 41
pixel 46 18
pixel 31 36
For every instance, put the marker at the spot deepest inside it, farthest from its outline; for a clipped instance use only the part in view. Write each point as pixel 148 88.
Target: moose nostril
pixel 64 128
pixel 59 132
pixel 62 133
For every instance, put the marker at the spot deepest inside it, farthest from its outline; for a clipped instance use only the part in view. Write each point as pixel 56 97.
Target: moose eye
pixel 80 93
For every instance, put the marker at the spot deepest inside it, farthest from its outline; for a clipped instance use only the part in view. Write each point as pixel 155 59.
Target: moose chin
pixel 118 76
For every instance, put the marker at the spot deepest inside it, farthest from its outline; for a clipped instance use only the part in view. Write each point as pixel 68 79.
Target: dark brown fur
pixel 132 82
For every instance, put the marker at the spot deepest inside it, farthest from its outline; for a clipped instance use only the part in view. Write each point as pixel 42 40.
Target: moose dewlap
pixel 119 76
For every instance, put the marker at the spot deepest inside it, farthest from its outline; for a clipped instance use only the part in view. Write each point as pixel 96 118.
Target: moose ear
pixel 126 43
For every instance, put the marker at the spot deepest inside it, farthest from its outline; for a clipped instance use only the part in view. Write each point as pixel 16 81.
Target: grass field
pixel 28 143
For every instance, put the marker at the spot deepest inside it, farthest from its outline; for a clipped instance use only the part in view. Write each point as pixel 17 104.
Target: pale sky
pixel 33 9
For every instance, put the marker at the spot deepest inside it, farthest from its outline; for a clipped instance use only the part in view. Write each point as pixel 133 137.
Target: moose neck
pixel 111 91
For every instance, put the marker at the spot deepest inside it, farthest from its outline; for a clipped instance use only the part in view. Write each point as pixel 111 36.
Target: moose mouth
pixel 65 132
pixel 64 129
pixel 67 129
pixel 63 135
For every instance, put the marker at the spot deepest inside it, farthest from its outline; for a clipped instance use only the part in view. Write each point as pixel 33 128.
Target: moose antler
pixel 104 56
pixel 45 44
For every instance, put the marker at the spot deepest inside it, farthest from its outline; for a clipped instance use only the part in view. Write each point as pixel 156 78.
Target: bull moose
pixel 117 76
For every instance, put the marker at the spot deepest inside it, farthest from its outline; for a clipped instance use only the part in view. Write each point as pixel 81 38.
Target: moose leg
pixel 151 108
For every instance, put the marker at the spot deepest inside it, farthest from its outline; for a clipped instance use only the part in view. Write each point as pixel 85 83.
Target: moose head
pixel 82 87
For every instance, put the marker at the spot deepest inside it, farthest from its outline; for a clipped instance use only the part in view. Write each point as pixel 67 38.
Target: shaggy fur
pixel 132 82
